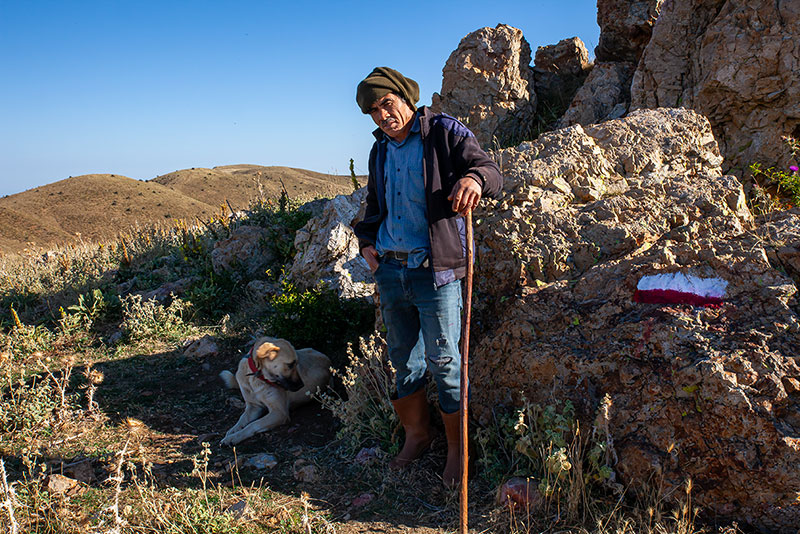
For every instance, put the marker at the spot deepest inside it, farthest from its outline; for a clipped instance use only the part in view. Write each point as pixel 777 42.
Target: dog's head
pixel 277 361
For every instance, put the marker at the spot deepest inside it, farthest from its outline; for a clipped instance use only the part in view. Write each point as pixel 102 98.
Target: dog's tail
pixel 229 380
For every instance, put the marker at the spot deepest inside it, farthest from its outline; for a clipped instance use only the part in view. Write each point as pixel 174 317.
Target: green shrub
pixel 318 318
pixel 144 319
pixel 546 443
pixel 786 182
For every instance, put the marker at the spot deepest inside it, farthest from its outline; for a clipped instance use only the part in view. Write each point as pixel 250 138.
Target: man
pixel 424 171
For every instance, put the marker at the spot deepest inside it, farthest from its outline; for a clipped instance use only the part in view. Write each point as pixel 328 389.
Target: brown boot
pixel 416 420
pixel 452 469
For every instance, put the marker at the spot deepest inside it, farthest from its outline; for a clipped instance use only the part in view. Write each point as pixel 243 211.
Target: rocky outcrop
pixel 604 95
pixel 327 250
pixel 707 393
pixel 734 61
pixel 625 28
pixel 558 71
pixel 488 85
pixel 244 254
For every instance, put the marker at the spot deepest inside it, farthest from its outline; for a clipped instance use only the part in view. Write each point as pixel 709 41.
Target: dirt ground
pixel 165 406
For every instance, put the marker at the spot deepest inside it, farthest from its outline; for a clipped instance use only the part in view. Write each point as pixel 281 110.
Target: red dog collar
pixel 255 372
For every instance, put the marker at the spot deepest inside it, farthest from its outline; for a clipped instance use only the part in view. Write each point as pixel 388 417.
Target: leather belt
pixel 402 257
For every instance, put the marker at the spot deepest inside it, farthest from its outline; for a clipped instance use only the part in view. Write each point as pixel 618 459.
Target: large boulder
pixel 488 85
pixel 734 61
pixel 558 71
pixel 707 393
pixel 604 95
pixel 625 28
pixel 244 254
pixel 327 250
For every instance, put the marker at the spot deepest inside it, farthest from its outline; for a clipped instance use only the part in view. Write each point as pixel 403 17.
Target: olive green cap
pixel 382 81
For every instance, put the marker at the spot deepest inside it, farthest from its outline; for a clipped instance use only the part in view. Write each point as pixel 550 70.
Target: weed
pixel 356 185
pixel 148 319
pixel 785 182
pixel 366 413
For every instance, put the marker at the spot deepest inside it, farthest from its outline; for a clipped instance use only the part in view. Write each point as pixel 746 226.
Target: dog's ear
pixel 267 350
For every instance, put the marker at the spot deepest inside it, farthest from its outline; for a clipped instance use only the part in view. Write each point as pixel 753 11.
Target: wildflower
pixel 794 168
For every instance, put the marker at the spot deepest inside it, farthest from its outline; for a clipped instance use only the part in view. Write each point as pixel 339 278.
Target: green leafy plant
pixel 786 182
pixel 317 317
pixel 148 319
pixel 356 185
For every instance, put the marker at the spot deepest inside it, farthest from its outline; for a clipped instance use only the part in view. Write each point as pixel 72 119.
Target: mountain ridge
pixel 95 207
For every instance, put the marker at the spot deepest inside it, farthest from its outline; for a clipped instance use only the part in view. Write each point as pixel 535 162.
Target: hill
pixel 239 184
pixel 98 206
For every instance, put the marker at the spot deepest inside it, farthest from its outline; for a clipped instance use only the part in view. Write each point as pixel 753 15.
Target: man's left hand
pixel 465 195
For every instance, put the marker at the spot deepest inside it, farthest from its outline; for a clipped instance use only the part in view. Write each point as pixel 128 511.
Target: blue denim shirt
pixel 405 228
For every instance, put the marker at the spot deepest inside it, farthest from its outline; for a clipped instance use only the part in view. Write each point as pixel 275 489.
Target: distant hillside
pixel 99 206
pixel 238 184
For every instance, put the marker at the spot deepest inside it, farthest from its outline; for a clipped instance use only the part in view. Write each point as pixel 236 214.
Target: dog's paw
pixel 228 441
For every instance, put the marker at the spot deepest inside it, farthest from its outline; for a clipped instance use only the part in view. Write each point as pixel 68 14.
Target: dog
pixel 274 377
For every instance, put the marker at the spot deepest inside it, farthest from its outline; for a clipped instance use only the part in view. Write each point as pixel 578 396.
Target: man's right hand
pixel 371 255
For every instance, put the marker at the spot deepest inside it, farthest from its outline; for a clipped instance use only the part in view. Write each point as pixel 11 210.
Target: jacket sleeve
pixel 476 162
pixel 366 230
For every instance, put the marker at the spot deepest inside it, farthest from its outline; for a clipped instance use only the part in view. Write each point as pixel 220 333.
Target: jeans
pixel 423 329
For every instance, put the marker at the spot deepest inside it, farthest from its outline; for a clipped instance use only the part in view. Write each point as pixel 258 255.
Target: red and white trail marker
pixel 679 288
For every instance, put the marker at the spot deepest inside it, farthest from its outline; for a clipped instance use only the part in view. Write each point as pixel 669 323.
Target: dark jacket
pixel 450 152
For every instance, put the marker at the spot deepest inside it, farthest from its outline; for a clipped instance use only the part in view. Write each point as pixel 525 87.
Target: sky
pixel 144 88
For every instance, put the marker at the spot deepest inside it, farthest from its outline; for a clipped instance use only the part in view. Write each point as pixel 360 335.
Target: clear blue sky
pixel 145 88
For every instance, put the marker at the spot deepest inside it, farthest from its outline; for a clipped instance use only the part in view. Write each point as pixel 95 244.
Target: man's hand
pixel 371 255
pixel 465 195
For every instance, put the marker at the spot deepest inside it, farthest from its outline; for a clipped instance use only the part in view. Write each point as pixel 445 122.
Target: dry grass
pixel 95 207
pixel 135 422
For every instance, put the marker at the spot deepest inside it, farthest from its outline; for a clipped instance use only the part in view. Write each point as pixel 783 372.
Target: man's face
pixel 393 116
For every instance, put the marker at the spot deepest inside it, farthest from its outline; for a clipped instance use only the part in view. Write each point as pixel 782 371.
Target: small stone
pixel 367 455
pixel 305 472
pixel 201 348
pixel 59 484
pixel 518 492
pixel 362 500
pixel 237 509
pixel 261 461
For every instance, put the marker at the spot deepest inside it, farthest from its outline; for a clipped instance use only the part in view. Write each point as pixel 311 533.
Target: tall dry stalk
pixel 7 503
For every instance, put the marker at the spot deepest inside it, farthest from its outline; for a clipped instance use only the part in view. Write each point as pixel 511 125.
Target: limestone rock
pixel 260 290
pixel 304 471
pixel 625 28
pixel 168 290
pixel 487 84
pixel 244 252
pixel 201 348
pixel 559 70
pixel 59 484
pixel 734 61
pixel 708 393
pixel 327 250
pixel 604 95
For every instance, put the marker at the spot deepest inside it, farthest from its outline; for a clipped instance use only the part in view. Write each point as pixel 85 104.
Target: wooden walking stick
pixel 465 378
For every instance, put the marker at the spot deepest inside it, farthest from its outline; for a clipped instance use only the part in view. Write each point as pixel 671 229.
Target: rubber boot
pixel 416 420
pixel 452 468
